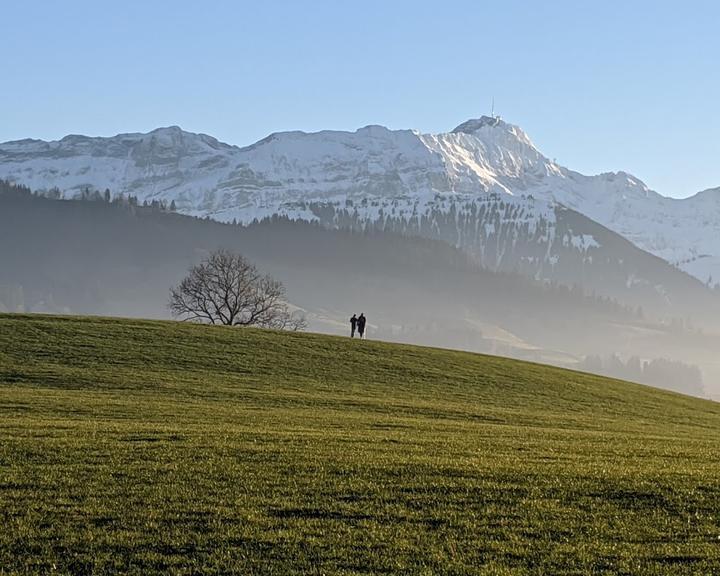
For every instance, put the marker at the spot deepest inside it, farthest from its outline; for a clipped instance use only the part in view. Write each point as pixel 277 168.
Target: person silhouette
pixel 361 325
pixel 353 325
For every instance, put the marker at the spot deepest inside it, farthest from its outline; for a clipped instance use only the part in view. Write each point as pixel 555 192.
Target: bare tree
pixel 227 289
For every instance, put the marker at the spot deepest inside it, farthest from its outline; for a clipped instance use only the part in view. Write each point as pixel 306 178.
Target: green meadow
pixel 142 447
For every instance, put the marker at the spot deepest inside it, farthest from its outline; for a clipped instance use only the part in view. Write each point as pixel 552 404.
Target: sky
pixel 598 85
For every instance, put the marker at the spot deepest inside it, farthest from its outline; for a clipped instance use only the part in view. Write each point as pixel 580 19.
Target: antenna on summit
pixel 494 116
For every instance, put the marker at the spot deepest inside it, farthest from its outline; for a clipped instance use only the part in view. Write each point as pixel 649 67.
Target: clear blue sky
pixel 598 85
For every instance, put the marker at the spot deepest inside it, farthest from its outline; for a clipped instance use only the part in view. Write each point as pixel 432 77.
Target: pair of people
pixel 357 323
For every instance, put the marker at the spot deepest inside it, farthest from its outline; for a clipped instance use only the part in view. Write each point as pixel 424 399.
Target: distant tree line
pixel 10 189
pixel 659 372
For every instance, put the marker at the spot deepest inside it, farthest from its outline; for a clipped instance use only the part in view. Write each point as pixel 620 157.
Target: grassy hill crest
pixel 154 447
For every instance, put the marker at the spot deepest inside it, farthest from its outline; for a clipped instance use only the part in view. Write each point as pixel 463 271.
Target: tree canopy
pixel 225 288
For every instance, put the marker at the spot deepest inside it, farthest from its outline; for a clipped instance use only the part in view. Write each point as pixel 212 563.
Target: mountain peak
pixel 172 136
pixel 493 129
pixel 474 124
pixel 168 130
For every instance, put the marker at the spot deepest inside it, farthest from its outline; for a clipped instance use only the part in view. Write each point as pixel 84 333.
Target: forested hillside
pixel 116 257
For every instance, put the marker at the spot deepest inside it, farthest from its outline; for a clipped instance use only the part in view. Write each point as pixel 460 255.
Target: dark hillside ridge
pixel 497 234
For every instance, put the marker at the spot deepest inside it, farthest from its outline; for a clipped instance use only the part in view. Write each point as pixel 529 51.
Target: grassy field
pixel 150 447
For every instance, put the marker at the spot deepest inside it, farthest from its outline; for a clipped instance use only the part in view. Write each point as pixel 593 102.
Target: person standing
pixel 361 325
pixel 353 325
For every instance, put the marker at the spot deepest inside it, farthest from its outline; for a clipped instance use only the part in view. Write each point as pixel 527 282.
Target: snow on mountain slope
pixel 379 172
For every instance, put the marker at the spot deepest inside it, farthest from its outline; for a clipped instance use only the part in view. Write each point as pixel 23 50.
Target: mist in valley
pixel 119 259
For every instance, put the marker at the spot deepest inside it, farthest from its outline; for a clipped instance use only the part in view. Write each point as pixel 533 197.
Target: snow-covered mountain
pixel 375 175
